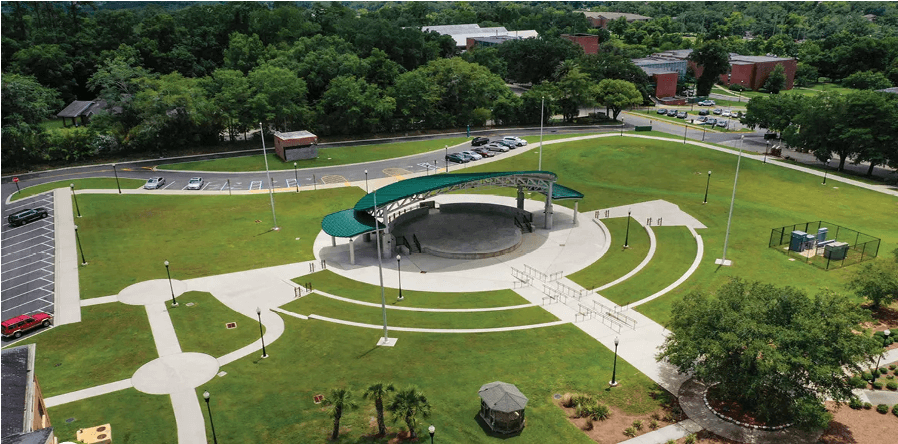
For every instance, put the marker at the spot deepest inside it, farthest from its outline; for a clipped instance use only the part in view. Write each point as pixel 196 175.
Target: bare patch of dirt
pixel 611 430
pixel 851 426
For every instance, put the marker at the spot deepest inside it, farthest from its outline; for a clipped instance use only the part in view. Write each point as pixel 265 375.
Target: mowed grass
pixel 332 308
pixel 98 183
pixel 126 239
pixel 201 327
pixel 618 261
pixel 271 399
pixel 133 417
pixel 330 282
pixel 109 344
pixel 326 157
pixel 614 171
pixel 674 253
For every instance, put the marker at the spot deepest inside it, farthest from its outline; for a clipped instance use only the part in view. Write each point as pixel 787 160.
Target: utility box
pixel 821 234
pixel 836 251
pixel 296 145
pixel 797 242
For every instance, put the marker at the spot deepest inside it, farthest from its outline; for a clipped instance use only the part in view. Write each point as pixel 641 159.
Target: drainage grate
pixel 69 420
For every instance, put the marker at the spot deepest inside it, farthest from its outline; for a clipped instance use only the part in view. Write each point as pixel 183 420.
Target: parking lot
pixel 28 260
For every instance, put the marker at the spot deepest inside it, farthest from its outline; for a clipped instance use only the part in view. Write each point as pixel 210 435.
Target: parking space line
pixel 254 183
pixel 169 184
pixel 223 186
pixel 26 283
pixel 6 268
pixel 26 240
pixel 24 232
pixel 26 303
pixel 206 184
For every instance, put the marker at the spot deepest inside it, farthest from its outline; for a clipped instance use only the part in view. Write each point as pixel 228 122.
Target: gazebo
pixel 502 407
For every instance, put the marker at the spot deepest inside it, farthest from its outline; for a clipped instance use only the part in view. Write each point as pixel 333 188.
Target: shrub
pixel 588 425
pixel 892 385
pixel 890 377
pixel 671 441
pixel 868 376
pixel 882 408
pixel 690 439
pixel 653 424
pixel 891 366
pixel 567 400
pixel 868 406
pixel 855 403
pixel 670 417
pixel 600 412
pixel 857 382
pixel 883 370
pixel 630 431
pixel 656 416
pixel 877 385
pixel 578 400
pixel 637 424
pixel 895 409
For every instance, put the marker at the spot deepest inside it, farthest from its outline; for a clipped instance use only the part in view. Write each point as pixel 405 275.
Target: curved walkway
pixel 437 330
pixel 436 310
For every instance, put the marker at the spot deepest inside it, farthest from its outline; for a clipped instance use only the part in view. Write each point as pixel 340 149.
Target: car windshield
pixel 151 181
pixel 194 180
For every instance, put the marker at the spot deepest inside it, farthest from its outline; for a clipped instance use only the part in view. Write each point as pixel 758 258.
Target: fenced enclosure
pixel 824 244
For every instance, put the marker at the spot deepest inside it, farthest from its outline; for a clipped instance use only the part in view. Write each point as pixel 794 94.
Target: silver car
pixel 196 183
pixel 496 146
pixel 472 155
pixel 154 183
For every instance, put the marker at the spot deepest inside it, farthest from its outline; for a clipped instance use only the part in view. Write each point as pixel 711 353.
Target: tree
pixel 378 392
pixel 352 105
pixel 279 96
pixel 876 281
pixel 714 60
pixel 867 80
pixel 774 113
pixel 535 60
pixel 407 404
pixel 573 90
pixel 776 81
pixel 25 105
pixel 778 352
pixel 806 74
pixel 243 52
pixel 615 95
pixel 339 401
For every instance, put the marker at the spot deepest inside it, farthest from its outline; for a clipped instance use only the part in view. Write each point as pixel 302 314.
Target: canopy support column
pixel 351 251
pixel 549 212
pixel 520 197
pixel 333 241
pixel 576 204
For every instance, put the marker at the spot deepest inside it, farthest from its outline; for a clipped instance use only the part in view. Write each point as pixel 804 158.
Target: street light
pixel 206 396
pixel 261 334
pixel 174 303
pixel 72 187
pixel 622 126
pixel 825 166
pixel 627 238
pixel 613 382
pixel 366 181
pixel 399 273
pixel 432 430
pixel 116 179
pixel 78 238
pixel 270 189
pixel 885 336
pixel 766 149
pixel 707 185
pixel 447 157
pixel 295 177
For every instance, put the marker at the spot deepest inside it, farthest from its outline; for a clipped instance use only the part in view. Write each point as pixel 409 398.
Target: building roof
pixel 893 90
pixel 75 108
pixel 756 59
pixel 503 397
pixel 616 15
pixel 461 33
pixel 294 135
pixel 348 223
pixel 17 365
pixel 495 39
pixel 42 436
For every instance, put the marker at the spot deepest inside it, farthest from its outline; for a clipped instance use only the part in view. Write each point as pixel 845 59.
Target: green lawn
pixel 674 253
pixel 105 183
pixel 326 157
pixel 201 327
pixel 271 400
pixel 333 283
pixel 127 238
pixel 109 344
pixel 618 261
pixel 133 417
pixel 332 308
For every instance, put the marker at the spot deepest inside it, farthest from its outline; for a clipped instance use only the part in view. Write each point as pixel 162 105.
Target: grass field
pixel 201 327
pixel 618 261
pixel 133 417
pixel 101 183
pixel 109 344
pixel 126 239
pixel 448 368
pixel 330 282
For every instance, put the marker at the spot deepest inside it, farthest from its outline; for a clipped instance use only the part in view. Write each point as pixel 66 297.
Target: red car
pixel 483 151
pixel 15 327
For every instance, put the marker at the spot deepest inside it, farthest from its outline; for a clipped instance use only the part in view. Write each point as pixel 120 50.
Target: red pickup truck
pixel 15 327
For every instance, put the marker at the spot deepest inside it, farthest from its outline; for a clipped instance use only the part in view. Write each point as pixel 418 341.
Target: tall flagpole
pixel 541 107
pixel 380 268
pixel 723 261
pixel 270 190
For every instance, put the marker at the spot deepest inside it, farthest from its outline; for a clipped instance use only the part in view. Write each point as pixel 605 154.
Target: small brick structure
pixel 296 145
pixel 589 42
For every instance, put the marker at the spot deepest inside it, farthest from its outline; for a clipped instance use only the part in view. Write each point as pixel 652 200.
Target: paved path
pixel 665 434
pixel 421 309
pixel 67 294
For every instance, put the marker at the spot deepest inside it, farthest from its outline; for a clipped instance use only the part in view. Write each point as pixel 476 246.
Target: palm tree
pixel 378 391
pixel 406 405
pixel 340 400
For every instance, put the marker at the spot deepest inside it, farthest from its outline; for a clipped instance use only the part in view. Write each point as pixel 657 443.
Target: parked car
pixel 195 183
pixel 472 155
pixel 706 103
pixel 17 326
pixel 711 121
pixel 672 113
pixel 703 112
pixel 25 216
pixel 480 141
pixel 681 115
pixel 483 151
pixel 722 123
pixel 718 111
pixel 726 113
pixel 457 158
pixel 517 140
pixel 701 120
pixel 509 144
pixel 498 147
pixel 154 183
pixel 661 111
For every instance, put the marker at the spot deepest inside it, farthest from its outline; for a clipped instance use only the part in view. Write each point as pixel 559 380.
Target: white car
pixel 517 140
pixel 154 183
pixel 726 113
pixel 472 155
pixel 196 183
pixel 496 146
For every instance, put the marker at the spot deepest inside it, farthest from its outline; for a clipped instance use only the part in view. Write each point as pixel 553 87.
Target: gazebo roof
pixel 503 397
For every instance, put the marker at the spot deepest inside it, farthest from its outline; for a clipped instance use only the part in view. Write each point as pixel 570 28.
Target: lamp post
pixel 116 179
pixel 72 187
pixel 541 108
pixel 295 177
pixel 707 185
pixel 766 149
pixel 627 238
pixel 261 334
pixel 366 181
pixel 78 238
pixel 613 382
pixel 268 173
pixel 622 126
pixel 432 431
pixel 885 335
pixel 825 166
pixel 447 157
pixel 399 273
pixel 206 396
pixel 174 303
pixel 685 130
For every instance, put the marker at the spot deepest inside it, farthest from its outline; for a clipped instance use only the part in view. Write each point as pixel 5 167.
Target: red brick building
pixel 601 19
pixel 589 42
pixel 665 83
pixel 296 145
pixel 752 71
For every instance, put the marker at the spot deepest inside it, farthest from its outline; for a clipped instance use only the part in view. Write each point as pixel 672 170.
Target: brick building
pixel 589 42
pixel 752 71
pixel 665 69
pixel 296 145
pixel 462 33
pixel 601 19
pixel 24 418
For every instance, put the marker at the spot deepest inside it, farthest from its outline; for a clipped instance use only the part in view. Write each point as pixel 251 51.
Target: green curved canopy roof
pixel 347 223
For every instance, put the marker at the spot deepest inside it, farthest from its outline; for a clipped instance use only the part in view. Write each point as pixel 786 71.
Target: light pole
pixel 267 172
pixel 72 187
pixel 447 157
pixel 261 334
pixel 541 108
pixel 613 382
pixel 78 238
pixel 723 260
pixel 206 396
pixel 174 303
pixel 627 238
pixel 116 179
pixel 622 127
pixel 399 273
pixel 295 177
pixel 432 431
pixel 825 166
pixel 366 181
pixel 707 185
pixel 685 130
pixel 766 149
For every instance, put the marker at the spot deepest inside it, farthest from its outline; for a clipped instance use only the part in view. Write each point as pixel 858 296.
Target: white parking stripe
pixel 254 184
pixel 6 268
pixel 26 303
pixel 26 283
pixel 169 184
pixel 23 249
pixel 24 232
pixel 26 240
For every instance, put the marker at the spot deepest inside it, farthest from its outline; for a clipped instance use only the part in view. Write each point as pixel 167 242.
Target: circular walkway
pixel 174 373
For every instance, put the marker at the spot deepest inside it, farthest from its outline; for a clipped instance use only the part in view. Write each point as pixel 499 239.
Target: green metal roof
pixel 561 192
pixel 347 223
pixel 417 185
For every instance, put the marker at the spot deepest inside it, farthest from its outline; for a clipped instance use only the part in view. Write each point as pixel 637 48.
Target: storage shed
pixel 296 145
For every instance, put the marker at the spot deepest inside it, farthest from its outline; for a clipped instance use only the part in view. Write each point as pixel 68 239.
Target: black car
pixel 25 216
pixel 457 158
pixel 704 112
pixel 480 141
pixel 672 113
